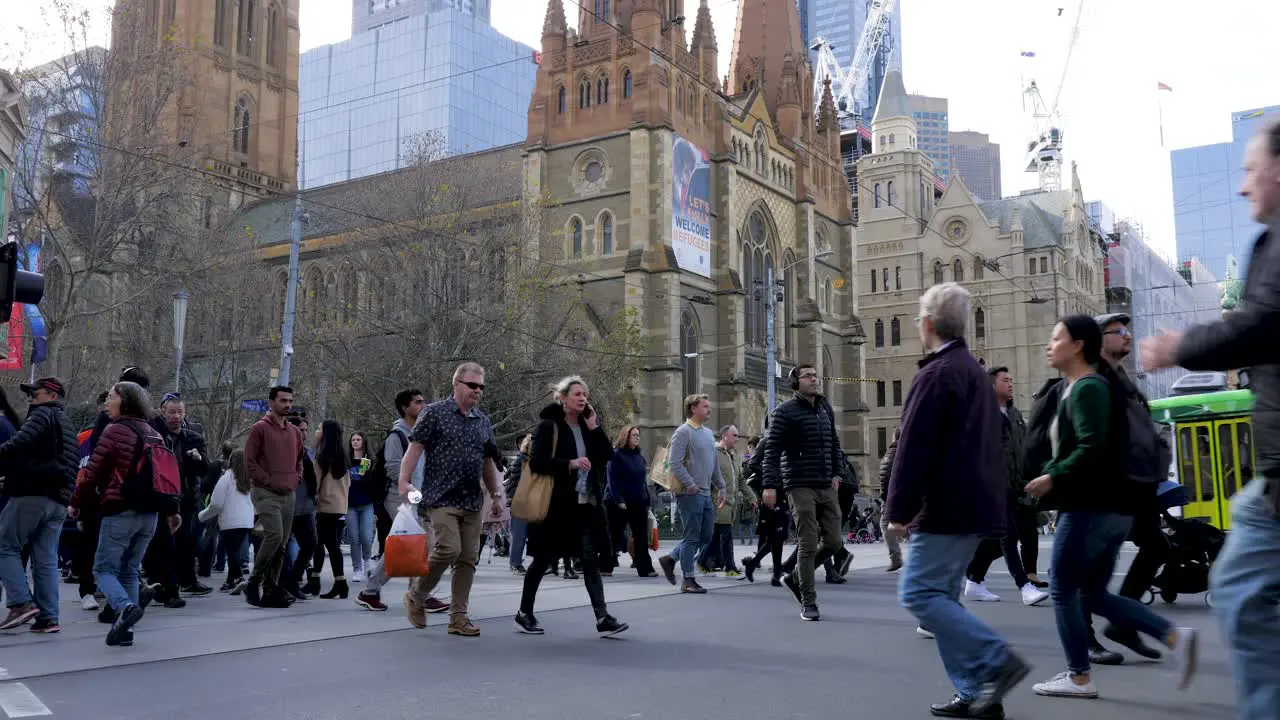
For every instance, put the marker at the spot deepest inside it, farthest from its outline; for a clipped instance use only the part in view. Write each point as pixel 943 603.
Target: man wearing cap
pixel 39 468
pixel 1153 547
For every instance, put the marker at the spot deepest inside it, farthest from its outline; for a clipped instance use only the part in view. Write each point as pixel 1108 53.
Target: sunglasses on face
pixel 472 385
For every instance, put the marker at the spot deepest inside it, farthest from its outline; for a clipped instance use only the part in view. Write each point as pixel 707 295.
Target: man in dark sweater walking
pixel 948 484
pixel 273 454
pixel 802 456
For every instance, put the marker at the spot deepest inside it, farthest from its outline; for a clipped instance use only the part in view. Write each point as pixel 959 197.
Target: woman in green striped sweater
pixel 1087 481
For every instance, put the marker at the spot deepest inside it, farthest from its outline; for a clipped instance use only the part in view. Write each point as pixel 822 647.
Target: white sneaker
pixel 1032 595
pixel 1063 686
pixel 1185 652
pixel 357 576
pixel 924 633
pixel 89 602
pixel 978 592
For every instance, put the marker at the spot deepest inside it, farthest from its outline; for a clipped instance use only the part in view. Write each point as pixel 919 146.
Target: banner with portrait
pixel 691 207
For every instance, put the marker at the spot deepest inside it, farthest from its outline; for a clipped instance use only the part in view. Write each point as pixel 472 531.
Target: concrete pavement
pixel 740 651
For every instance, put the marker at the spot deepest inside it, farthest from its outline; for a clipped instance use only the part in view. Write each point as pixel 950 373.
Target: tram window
pixel 1204 448
pixel 1227 460
pixel 1186 461
pixel 1244 435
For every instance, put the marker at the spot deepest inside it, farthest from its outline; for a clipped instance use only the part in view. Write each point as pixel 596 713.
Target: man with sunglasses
pixel 457 441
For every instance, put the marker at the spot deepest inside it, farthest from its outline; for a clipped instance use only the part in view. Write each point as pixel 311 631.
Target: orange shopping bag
pixel 407 545
pixel 653 532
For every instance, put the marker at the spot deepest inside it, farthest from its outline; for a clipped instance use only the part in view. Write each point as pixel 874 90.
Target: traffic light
pixel 16 285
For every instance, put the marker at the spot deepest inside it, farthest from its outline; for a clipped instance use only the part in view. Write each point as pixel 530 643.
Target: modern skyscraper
pixel 977 161
pixel 930 114
pixel 1211 220
pixel 444 71
pixel 841 22
pixel 368 14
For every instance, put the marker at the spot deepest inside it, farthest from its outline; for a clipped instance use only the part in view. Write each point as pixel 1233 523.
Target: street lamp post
pixel 180 300
pixel 770 339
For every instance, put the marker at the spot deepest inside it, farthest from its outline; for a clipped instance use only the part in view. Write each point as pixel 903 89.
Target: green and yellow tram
pixel 1211 435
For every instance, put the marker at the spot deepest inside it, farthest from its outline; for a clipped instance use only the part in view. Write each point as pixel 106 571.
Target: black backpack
pixel 1037 450
pixel 1147 456
pixel 376 482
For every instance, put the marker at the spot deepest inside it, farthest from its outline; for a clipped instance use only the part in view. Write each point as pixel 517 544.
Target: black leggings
pixel 329 530
pixel 304 533
pixel 590 568
pixel 233 541
pixel 770 541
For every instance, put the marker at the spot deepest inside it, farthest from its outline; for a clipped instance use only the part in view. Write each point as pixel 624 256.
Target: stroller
pixel 1193 546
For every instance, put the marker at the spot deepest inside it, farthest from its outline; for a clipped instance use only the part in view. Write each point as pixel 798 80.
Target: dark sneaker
pixel 146 594
pixel 126 640
pixel 277 600
pixel 836 580
pixel 692 587
pixel 1131 640
pixel 197 589
pixel 371 601
pixel 517 570
pixel 992 693
pixel 749 569
pixel 776 581
pixel 793 584
pixel 19 615
pixel 106 615
pixel 894 566
pixel 608 626
pixel 570 574
pixel 1100 655
pixel 845 563
pixel 253 593
pixel 433 606
pixel 128 617
pixel 528 624
pixel 45 625
pixel 668 565
pixel 961 708
pixel 810 613
pixel 173 602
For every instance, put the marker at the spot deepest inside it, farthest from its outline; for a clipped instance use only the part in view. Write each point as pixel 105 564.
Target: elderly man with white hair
pixel 948 486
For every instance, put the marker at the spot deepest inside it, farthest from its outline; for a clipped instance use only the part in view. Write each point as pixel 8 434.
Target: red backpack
pixel 155 483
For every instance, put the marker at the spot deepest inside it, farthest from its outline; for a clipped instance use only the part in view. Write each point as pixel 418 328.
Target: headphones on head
pixel 794 377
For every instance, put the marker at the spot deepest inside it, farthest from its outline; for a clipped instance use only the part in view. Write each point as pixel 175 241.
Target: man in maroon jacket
pixel 948 484
pixel 273 453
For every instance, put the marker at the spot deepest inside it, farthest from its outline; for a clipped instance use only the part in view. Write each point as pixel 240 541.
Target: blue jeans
pixel 36 523
pixel 698 519
pixel 519 534
pixel 122 541
pixel 930 590
pixel 1246 599
pixel 360 532
pixel 1085 548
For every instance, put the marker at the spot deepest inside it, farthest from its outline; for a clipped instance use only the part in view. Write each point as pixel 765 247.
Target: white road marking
pixel 17 701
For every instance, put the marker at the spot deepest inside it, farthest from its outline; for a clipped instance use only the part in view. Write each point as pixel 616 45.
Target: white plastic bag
pixel 408 545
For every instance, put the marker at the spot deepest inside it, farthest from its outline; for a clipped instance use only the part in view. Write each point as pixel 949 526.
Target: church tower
pixel 896 179
pixel 236 111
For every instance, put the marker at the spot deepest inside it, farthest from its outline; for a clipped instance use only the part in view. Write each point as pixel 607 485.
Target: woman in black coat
pixel 576 514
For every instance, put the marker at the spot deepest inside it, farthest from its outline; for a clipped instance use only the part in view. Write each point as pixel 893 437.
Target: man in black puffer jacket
pixel 802 456
pixel 39 465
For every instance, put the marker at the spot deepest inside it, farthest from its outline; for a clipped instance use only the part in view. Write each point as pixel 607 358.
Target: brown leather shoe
pixel 461 625
pixel 413 610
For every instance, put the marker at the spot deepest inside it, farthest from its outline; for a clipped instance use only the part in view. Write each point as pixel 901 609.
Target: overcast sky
pixel 1218 58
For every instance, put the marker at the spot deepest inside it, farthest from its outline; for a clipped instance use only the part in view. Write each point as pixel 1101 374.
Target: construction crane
pixel 846 84
pixel 1044 151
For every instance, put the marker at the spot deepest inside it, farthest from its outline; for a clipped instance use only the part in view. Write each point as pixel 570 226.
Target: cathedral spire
pixel 555 23
pixel 766 31
pixel 827 110
pixel 704 35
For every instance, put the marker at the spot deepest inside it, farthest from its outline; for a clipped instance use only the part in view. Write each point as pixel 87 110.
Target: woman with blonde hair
pixel 628 492
pixel 571 447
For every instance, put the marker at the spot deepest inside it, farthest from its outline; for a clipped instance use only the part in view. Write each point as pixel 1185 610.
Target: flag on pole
pixel 1028 53
pixel 1162 86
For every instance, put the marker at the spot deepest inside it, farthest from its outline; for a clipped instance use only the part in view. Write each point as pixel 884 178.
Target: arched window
pixel 977 268
pixel 602 11
pixel 958 270
pixel 575 239
pixel 220 23
pixel 240 125
pixel 979 324
pixel 877 194
pixel 762 157
pixel 693 102
pixel 561 100
pixel 626 84
pixel 313 299
pixel 892 140
pixel 584 94
pixel 895 332
pixel 273 36
pixel 829 294
pixel 892 196
pixel 689 354
pixel 882 140
pixel 349 295
pixel 879 333
pixel 873 280
pixel 606 234
pixel 680 95
pixel 897 278
pixel 602 90
pixel 706 109
pixel 756 261
pixel 247 24
pixel 938 272
pixel 884 277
